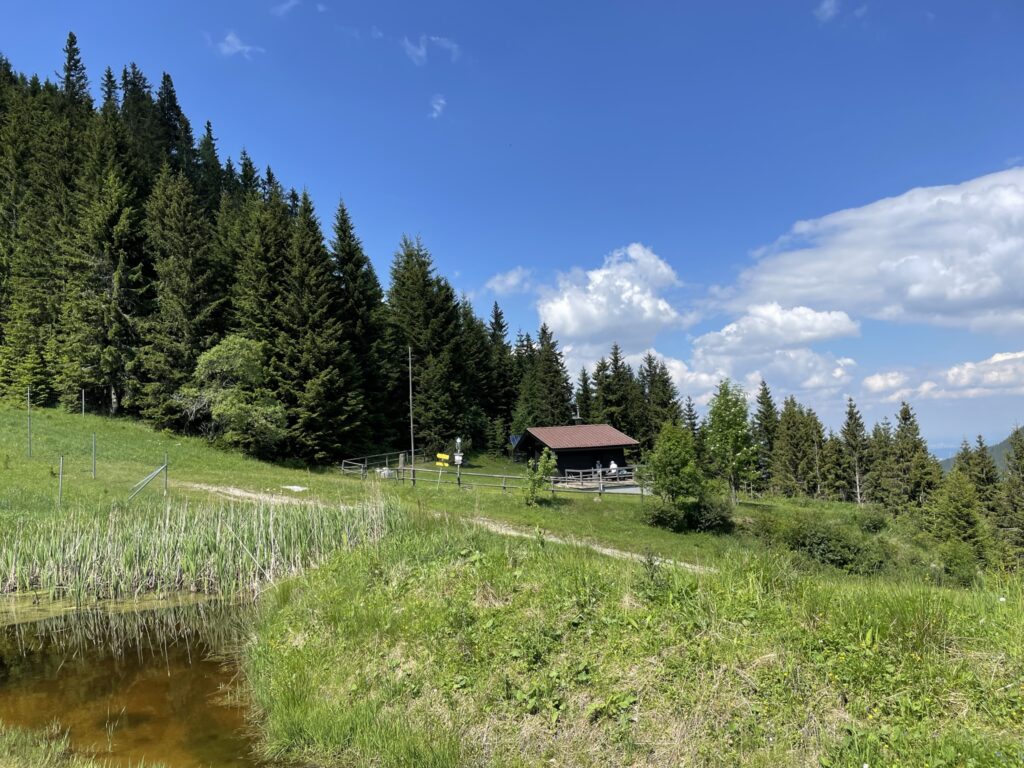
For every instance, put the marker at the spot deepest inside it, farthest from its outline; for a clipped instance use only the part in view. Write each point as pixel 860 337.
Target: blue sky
pixel 823 193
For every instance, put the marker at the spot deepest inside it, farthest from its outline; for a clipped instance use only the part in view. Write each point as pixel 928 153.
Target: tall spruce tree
pixel 35 190
pixel 209 172
pixel 545 394
pixel 98 325
pixel 658 400
pixel 261 265
pixel 318 377
pixel 855 448
pixel 915 471
pixel 584 397
pixel 173 130
pixel 502 387
pixel 177 240
pixel 763 430
pixel 361 317
pixel 1009 519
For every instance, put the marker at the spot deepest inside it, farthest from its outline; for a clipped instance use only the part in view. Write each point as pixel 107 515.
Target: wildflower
pixel 1002 599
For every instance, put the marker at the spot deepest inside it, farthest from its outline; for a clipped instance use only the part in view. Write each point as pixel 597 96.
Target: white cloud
pixel 232 45
pixel 770 326
pixel 449 45
pixel 620 301
pixel 1000 374
pixel 884 381
pixel 321 7
pixel 516 280
pixel 773 343
pixel 948 255
pixel 418 51
pixel 827 10
pixel 376 33
pixel 437 105
pixel 283 9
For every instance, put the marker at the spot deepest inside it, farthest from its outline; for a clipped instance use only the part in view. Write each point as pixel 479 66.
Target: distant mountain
pixel 998 451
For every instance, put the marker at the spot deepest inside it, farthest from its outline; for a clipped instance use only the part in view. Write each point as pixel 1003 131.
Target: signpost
pixel 442 460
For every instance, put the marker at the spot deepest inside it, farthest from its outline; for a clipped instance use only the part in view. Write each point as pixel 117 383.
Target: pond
pixel 153 685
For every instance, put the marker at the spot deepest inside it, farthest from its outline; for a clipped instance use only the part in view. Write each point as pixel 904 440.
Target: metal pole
pixel 83 401
pixel 60 482
pixel 28 400
pixel 93 455
pixel 412 438
pixel 165 474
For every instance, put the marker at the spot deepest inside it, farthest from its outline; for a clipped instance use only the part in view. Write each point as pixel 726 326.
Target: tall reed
pixel 230 549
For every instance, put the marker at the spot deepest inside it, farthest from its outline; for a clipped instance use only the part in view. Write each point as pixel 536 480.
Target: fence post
pixel 83 401
pixel 458 475
pixel 60 482
pixel 165 475
pixel 93 455
pixel 28 401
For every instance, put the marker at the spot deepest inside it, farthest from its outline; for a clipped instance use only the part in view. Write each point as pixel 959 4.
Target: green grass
pixel 448 646
pixel 46 749
pixel 442 644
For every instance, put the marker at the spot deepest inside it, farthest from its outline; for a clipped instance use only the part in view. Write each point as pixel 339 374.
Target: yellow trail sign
pixel 443 456
pixel 441 463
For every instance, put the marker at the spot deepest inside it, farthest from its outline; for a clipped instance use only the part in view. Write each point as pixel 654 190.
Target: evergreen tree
pixel 855 447
pixel 584 397
pixel 261 264
pixel 955 514
pixel 915 471
pixel 835 470
pixel 98 326
pixel 318 377
pixel 985 476
pixel 173 130
pixel 618 395
pixel 545 394
pixel 797 456
pixel 77 103
pixel 138 114
pixel 691 422
pixel 423 314
pixel 177 239
pixel 658 400
pixel 879 474
pixel 1009 519
pixel 209 173
pixel 727 444
pixel 763 430
pixel 502 386
pixel 361 317
pixel 35 188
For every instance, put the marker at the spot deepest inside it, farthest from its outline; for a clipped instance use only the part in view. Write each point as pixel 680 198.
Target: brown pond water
pixel 127 688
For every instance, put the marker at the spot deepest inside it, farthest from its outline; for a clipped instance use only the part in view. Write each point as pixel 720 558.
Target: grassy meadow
pixel 393 629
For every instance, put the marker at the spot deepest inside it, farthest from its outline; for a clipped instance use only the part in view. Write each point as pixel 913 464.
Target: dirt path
pixel 240 494
pixel 507 530
pixel 503 529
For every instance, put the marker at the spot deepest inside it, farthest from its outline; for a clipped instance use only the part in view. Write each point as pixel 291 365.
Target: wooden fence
pixel 396 467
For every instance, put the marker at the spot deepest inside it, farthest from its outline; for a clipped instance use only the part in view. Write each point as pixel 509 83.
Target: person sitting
pixel 613 469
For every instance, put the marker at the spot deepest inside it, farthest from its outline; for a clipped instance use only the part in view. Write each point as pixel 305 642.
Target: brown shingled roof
pixel 582 436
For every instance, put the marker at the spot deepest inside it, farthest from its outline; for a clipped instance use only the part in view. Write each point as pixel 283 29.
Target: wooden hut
pixel 578 447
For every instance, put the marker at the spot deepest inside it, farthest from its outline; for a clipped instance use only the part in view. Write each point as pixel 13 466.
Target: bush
pixel 714 509
pixel 833 544
pixel 537 474
pixel 712 512
pixel 872 520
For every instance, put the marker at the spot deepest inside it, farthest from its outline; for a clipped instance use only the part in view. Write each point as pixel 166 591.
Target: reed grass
pixel 226 549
